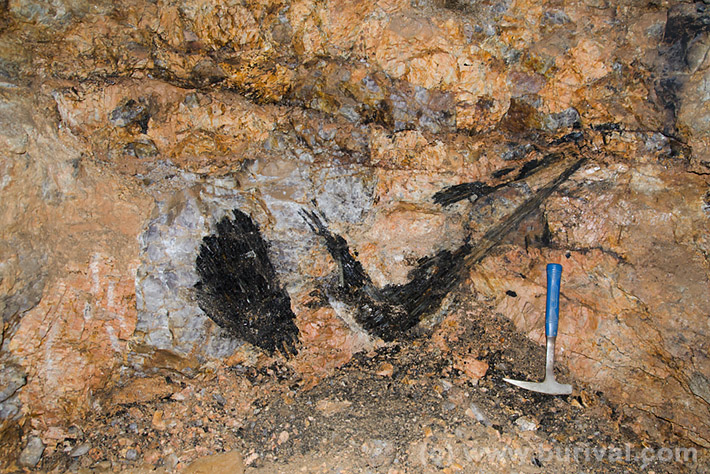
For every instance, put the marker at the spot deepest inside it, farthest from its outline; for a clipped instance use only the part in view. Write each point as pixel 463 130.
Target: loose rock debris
pixel 405 407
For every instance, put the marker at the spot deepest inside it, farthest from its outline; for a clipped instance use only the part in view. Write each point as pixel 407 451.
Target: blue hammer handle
pixel 552 311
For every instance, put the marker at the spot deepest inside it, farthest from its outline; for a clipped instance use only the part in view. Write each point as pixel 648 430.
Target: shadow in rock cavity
pixel 239 288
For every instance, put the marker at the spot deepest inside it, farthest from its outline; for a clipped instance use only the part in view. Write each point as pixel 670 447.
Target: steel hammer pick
pixel 549 385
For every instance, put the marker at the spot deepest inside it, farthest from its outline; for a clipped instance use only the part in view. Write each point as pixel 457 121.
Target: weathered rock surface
pixel 647 224
pixel 129 130
pixel 69 231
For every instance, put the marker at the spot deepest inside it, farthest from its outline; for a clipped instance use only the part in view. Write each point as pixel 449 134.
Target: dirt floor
pixel 414 406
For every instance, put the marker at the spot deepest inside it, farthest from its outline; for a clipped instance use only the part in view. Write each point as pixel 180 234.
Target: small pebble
pixel 131 454
pixel 378 452
pixel 103 466
pixel 171 461
pixel 75 432
pixel 474 412
pixel 526 423
pixel 30 456
pixel 158 423
pixel 385 370
pixel 251 458
pixel 80 450
pixel 152 456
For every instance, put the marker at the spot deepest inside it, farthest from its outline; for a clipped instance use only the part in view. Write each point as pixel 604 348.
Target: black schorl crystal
pixel 239 288
pixel 392 311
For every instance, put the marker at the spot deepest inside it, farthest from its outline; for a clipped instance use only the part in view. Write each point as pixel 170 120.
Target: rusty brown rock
pixel 473 367
pixel 118 119
pixel 141 390
pixel 57 339
pixel 81 223
pixel 385 369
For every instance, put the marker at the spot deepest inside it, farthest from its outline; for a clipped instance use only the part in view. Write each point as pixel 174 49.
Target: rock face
pixel 614 311
pixel 68 278
pixel 389 153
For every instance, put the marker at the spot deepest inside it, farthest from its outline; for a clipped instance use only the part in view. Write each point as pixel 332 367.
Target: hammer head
pixel 549 386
